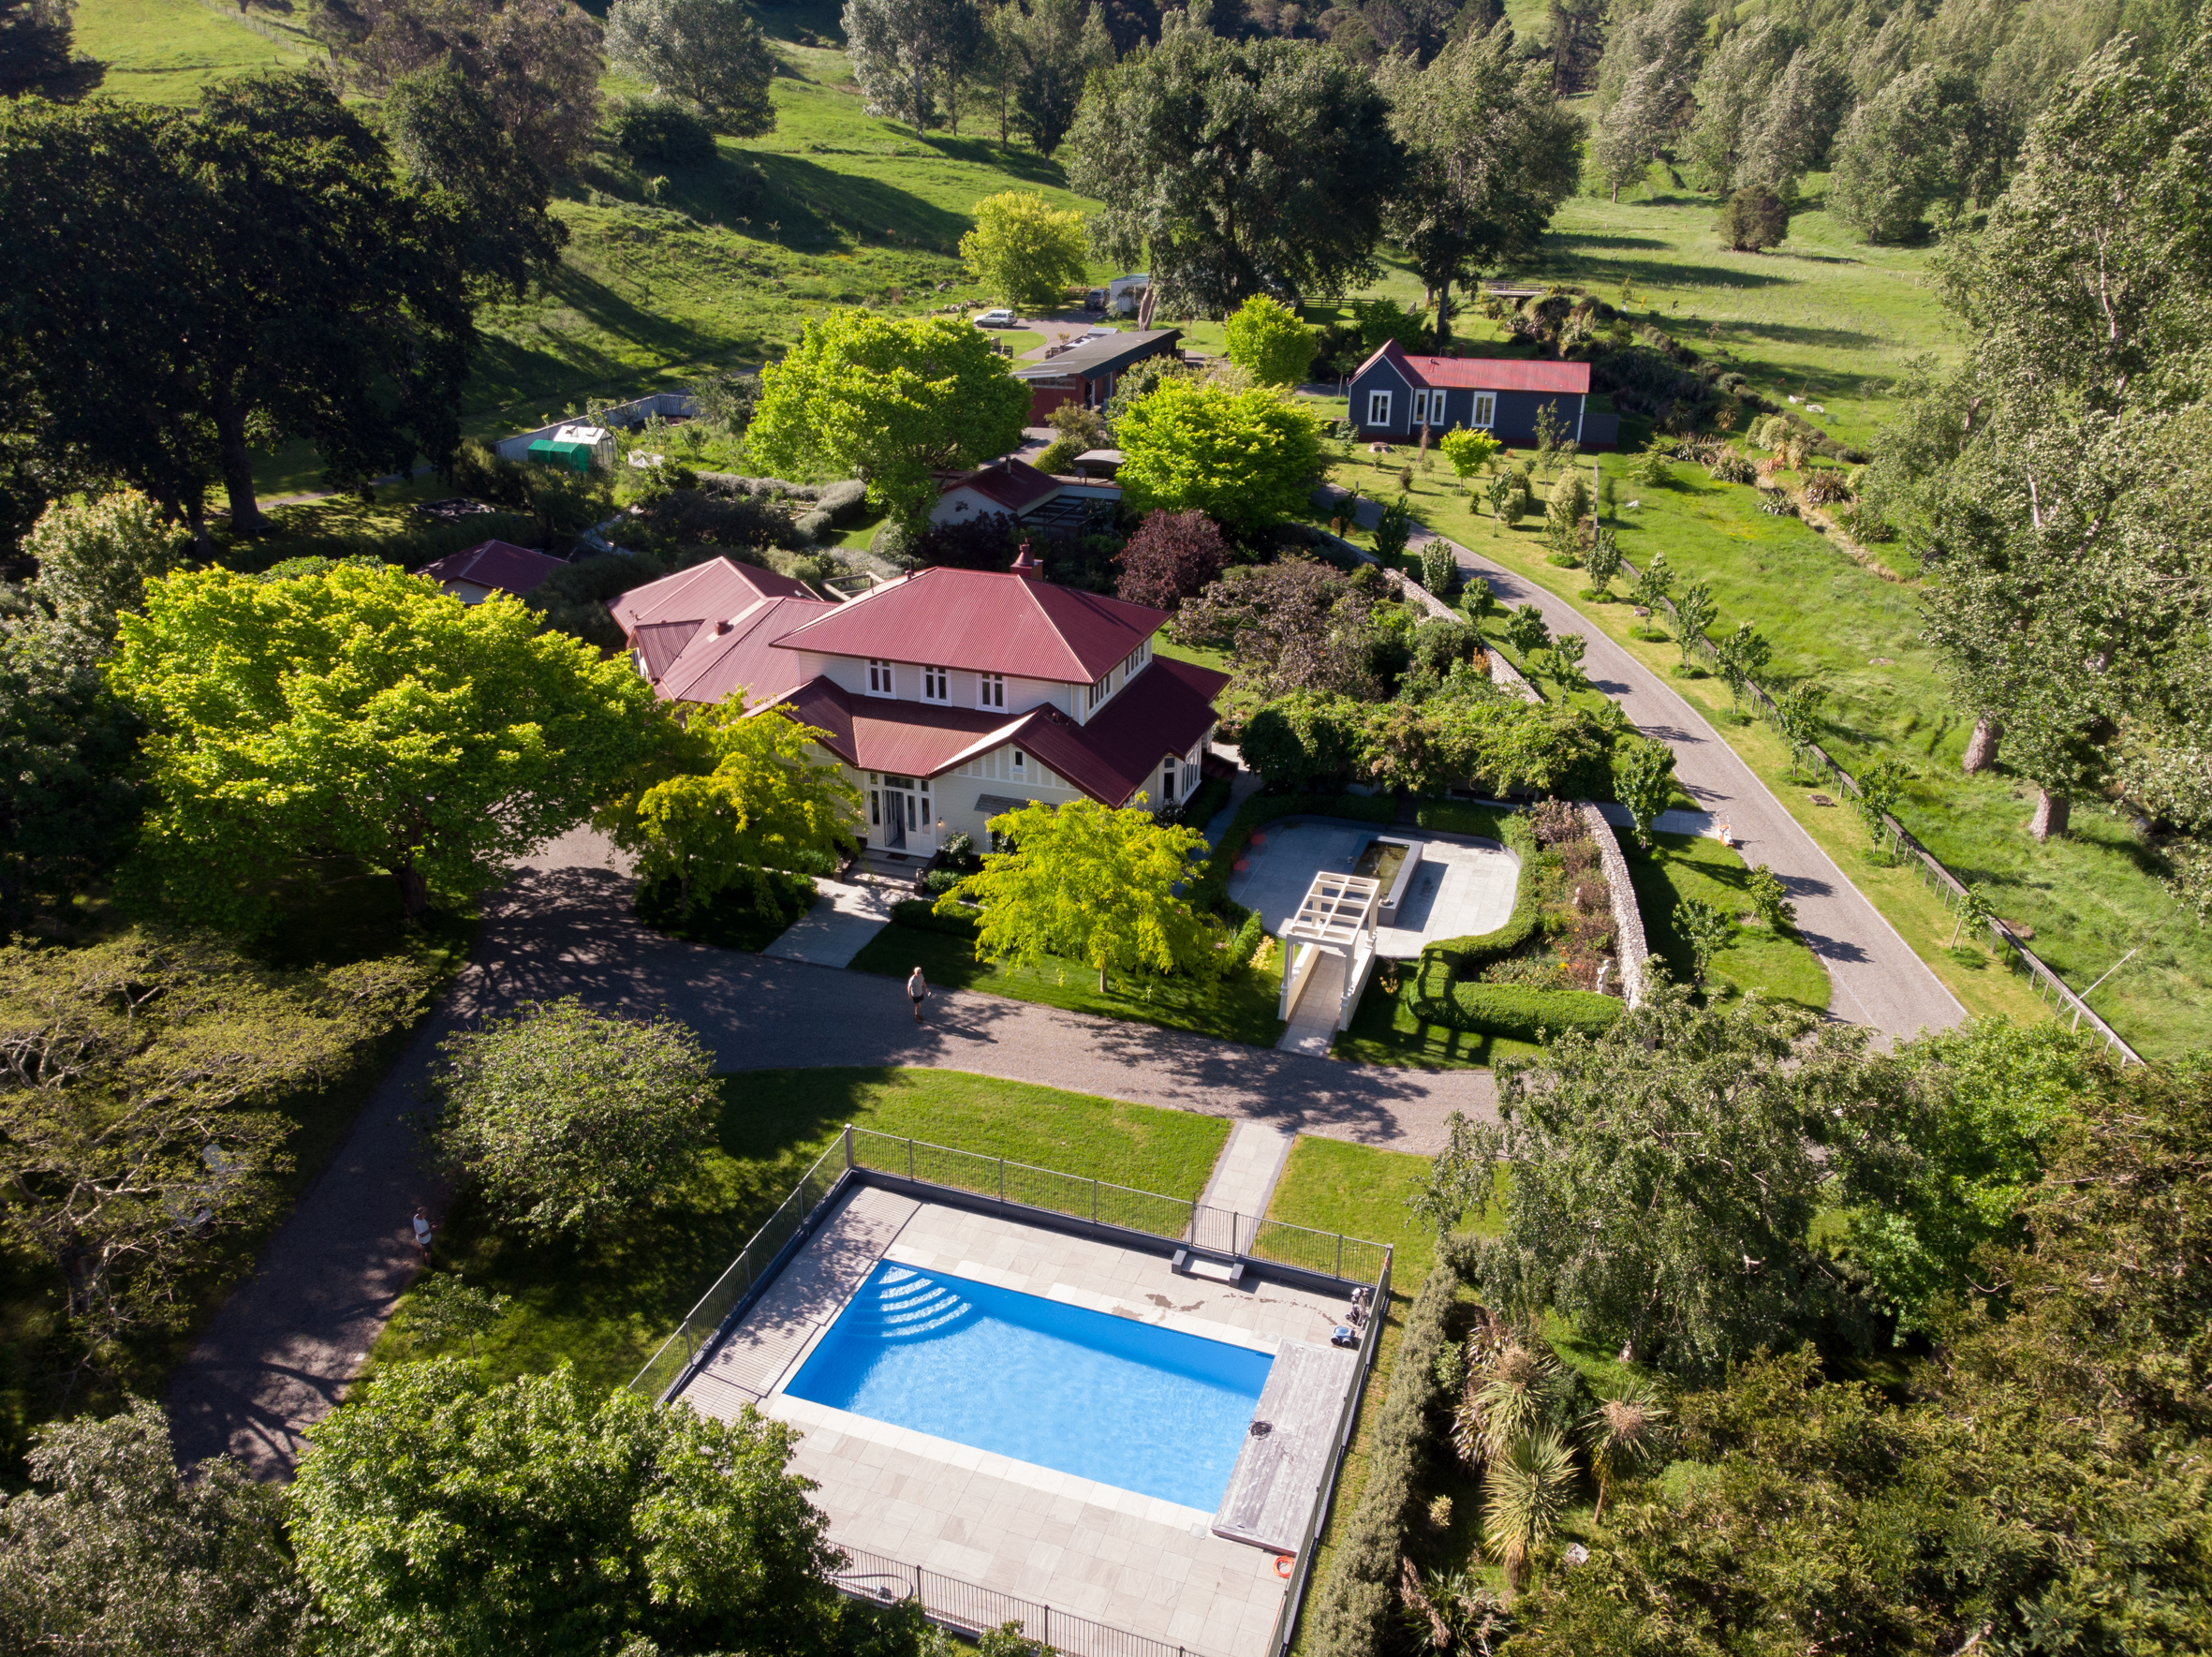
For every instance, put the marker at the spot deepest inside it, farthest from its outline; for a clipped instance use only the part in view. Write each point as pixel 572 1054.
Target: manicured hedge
pixel 921 914
pixel 1468 955
pixel 1507 1009
pixel 1355 1612
pixel 1460 817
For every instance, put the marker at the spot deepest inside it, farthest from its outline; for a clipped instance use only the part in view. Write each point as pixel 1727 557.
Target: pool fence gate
pixel 1110 1213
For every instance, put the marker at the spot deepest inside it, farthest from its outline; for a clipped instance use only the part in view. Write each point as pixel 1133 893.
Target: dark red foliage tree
pixel 1171 557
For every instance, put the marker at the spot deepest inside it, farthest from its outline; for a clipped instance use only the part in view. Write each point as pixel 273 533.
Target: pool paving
pixel 1134 1561
pixel 1465 885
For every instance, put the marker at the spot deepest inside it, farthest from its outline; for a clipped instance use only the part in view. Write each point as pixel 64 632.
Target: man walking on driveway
pixel 916 991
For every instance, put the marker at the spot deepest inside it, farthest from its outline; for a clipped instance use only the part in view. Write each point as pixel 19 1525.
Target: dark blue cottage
pixel 1394 394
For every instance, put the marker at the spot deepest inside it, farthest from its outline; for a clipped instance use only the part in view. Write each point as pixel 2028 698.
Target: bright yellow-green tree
pixel 1024 250
pixel 734 791
pixel 1246 459
pixel 1090 884
pixel 888 400
pixel 1266 337
pixel 359 711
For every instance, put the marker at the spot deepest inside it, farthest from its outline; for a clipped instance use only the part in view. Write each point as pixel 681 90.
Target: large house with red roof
pixel 1394 394
pixel 947 697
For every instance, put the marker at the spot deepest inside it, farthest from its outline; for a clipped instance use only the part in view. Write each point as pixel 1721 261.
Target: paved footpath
pixel 1875 979
pixel 278 1356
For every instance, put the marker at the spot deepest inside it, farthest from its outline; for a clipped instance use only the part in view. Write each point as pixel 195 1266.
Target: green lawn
pixel 607 1305
pixel 1778 965
pixel 1240 1008
pixel 169 51
pixel 1384 1031
pixel 1163 646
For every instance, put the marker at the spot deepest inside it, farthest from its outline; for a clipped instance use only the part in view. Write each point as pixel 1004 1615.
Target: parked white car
pixel 996 320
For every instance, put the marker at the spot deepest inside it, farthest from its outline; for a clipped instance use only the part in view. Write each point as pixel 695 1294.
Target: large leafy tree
pixel 1230 169
pixel 535 62
pixel 1052 47
pixel 68 798
pixel 566 1122
pixel 1268 341
pixel 178 285
pixel 1665 1176
pixel 2054 485
pixel 133 1077
pixel 709 53
pixel 906 53
pixel 362 712
pixel 1921 144
pixel 1082 882
pixel 38 51
pixel 734 790
pixel 887 399
pixel 1489 156
pixel 1024 249
pixel 1246 459
pixel 441 1516
pixel 115 1548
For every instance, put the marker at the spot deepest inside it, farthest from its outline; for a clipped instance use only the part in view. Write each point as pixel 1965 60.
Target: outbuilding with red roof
pixel 492 567
pixel 1396 394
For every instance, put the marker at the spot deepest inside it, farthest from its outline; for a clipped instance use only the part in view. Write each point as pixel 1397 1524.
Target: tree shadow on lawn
pixel 881 212
pixel 1025 165
pixel 1655 272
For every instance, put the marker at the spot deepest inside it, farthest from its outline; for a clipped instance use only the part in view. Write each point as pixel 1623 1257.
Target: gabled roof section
pixel 723 657
pixel 497 563
pixel 1167 707
pixel 1014 485
pixel 1482 373
pixel 1106 355
pixel 717 590
pixel 979 622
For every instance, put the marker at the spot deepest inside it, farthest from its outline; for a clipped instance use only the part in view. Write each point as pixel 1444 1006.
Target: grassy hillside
pixel 167 51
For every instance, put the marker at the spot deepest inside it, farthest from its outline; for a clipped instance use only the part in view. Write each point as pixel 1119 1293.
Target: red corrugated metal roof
pixel 716 662
pixel 981 622
pixel 1014 485
pixel 1484 374
pixel 715 590
pixel 1167 707
pixel 498 563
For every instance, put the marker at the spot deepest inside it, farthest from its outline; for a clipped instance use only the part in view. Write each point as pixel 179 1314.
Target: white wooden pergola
pixel 1335 917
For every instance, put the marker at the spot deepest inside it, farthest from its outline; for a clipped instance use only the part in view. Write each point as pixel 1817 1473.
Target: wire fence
pixel 2047 984
pixel 1213 1231
pixel 755 1262
pixel 972 1610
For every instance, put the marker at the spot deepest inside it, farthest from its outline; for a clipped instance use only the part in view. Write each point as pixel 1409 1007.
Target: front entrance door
pixel 904 815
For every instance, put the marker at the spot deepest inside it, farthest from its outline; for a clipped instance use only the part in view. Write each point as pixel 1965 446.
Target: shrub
pixel 653 129
pixel 1438 568
pixel 1730 465
pixel 809 528
pixel 1356 1609
pixel 1753 219
pixel 1171 557
pixel 568 1120
pixel 921 914
pixel 1825 487
pixel 756 907
pixel 480 471
pixel 845 501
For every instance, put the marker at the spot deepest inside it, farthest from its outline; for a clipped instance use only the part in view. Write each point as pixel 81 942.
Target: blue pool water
pixel 1103 1397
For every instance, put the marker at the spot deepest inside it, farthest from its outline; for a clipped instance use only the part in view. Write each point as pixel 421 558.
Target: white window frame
pixel 1170 769
pixel 1021 765
pixel 991 690
pixel 936 684
pixel 880 681
pixel 1379 408
pixel 1485 410
pixel 1421 414
pixel 1096 692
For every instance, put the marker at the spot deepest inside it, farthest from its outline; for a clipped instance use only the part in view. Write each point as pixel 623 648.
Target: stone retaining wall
pixel 1627 920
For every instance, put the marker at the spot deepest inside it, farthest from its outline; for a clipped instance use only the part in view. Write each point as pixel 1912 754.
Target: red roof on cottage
pixel 1014 485
pixel 723 657
pixel 497 563
pixel 975 620
pixel 1483 373
pixel 1166 708
pixel 717 590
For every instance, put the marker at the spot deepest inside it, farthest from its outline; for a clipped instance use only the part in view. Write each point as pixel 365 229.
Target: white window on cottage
pixel 1021 766
pixel 1379 408
pixel 1421 415
pixel 1485 410
pixel 1168 795
pixel 936 684
pixel 991 690
pixel 880 678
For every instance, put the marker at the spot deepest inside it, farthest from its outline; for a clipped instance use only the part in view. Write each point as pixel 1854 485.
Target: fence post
pixel 1002 1179
pixel 1047 1637
pixel 1340 1254
pixel 910 1159
pixel 1094 1202
pixel 848 1146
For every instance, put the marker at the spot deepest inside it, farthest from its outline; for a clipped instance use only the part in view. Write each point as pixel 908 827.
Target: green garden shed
pixel 567 453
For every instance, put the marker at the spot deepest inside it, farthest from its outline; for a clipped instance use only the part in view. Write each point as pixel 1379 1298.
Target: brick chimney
pixel 1028 567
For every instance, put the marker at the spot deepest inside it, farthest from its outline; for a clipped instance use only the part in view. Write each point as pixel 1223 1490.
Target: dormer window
pixel 936 684
pixel 1021 766
pixel 991 690
pixel 879 679
pixel 1098 692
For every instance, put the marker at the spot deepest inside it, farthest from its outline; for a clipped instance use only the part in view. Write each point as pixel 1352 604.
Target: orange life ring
pixel 1282 1566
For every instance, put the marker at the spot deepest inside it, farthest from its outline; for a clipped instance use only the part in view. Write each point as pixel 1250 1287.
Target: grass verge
pixel 1385 1032
pixel 1238 1008
pixel 604 1306
pixel 1778 964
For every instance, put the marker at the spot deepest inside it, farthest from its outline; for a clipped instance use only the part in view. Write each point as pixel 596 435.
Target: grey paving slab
pixel 839 925
pixel 1245 1172
pixel 1464 885
pixel 1278 1472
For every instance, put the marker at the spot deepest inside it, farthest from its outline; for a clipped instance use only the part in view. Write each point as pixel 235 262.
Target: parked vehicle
pixel 1094 300
pixel 996 320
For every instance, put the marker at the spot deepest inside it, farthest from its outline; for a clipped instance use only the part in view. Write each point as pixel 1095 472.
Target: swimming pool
pixel 1103 1397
